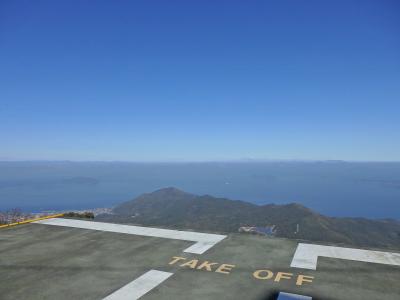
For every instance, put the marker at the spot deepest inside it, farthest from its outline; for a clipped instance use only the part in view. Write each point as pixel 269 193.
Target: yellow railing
pixel 31 220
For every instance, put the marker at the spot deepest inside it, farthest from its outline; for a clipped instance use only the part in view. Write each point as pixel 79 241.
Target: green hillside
pixel 174 208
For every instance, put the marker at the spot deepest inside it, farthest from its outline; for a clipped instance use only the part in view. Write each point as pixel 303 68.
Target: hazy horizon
pixel 239 160
pixel 368 189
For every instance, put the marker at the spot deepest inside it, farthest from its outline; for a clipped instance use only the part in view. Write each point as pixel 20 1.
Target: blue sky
pixel 199 80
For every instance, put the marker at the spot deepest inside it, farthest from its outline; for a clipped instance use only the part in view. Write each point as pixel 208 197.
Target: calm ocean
pixel 332 188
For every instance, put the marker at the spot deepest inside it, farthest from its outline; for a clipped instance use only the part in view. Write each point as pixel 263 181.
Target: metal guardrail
pixel 31 220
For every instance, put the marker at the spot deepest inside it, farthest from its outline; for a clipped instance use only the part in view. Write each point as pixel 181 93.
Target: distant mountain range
pixel 173 208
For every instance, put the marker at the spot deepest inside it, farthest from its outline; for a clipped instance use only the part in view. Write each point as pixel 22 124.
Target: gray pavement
pixel 47 262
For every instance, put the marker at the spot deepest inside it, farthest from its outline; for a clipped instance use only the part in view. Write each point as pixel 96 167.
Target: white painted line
pixel 204 241
pixel 288 296
pixel 140 286
pixel 306 255
pixel 200 247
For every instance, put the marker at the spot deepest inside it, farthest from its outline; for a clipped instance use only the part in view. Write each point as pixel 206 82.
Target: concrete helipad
pixel 55 260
